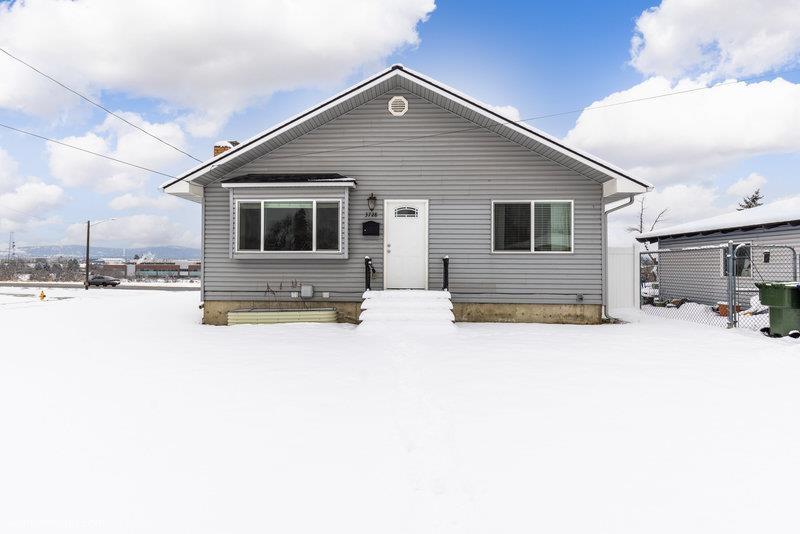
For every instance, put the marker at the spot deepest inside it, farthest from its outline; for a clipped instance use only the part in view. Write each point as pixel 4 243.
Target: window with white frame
pixel 532 226
pixel 289 226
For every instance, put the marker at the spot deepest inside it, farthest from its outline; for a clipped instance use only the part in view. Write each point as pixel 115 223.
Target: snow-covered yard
pixel 120 413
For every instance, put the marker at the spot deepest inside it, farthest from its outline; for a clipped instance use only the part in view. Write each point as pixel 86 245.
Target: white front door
pixel 405 244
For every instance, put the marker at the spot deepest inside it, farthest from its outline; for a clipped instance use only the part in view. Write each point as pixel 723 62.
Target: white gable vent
pixel 398 106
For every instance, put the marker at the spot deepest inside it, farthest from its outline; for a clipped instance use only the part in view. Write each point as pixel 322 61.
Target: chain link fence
pixel 714 284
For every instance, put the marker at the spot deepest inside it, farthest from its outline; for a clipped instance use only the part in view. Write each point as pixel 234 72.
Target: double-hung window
pixel 532 226
pixel 289 226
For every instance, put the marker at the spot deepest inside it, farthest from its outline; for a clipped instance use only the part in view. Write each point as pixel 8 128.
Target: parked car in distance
pixel 101 280
pixel 649 291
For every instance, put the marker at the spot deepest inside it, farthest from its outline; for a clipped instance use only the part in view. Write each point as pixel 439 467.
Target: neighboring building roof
pixel 189 185
pixel 769 215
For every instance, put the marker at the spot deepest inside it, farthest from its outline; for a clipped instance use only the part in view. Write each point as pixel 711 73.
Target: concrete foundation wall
pixel 216 312
pixel 528 313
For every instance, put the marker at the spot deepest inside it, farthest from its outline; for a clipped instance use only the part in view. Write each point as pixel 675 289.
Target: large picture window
pixel 289 226
pixel 532 226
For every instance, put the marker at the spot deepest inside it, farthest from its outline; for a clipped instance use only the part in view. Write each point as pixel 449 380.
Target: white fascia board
pixel 185 189
pixel 342 183
pixel 623 186
pixel 280 128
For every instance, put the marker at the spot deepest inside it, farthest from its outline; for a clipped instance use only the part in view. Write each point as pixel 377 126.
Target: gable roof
pixel 776 213
pixel 398 76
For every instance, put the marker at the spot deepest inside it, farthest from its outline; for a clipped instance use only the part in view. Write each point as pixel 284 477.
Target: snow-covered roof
pixel 775 213
pixel 226 144
pixel 189 184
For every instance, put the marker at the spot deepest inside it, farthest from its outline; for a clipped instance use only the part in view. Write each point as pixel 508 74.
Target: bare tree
pixel 643 227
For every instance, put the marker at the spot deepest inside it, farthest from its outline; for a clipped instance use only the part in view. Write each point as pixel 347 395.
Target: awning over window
pixel 289 180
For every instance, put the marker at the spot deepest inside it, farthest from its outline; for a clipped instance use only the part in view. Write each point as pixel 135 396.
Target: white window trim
pixel 533 223
pixel 313 251
pixel 724 253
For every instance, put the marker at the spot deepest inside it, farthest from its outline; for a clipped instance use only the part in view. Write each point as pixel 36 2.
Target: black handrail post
pixel 368 270
pixel 445 273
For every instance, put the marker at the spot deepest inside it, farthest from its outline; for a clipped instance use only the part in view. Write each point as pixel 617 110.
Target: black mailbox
pixel 371 228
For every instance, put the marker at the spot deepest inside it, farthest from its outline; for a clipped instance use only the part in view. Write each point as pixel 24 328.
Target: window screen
pixel 328 226
pixel 552 226
pixel 512 227
pixel 250 226
pixel 288 225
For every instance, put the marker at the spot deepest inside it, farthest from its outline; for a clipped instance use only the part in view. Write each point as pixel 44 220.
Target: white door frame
pixel 424 201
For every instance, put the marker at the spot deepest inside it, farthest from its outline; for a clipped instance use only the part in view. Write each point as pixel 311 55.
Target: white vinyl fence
pixel 623 278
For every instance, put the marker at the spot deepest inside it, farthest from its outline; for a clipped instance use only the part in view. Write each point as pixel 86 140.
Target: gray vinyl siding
pixel 697 274
pixel 460 174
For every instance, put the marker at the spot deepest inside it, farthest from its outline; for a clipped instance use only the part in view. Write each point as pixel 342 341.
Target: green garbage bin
pixel 783 299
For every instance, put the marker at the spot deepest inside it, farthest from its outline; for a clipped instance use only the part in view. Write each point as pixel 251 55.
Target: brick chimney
pixel 222 146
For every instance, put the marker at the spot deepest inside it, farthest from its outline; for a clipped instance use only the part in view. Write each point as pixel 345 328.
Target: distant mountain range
pixel 78 251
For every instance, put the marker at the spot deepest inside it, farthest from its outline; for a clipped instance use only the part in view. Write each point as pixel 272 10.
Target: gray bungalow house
pixel 406 172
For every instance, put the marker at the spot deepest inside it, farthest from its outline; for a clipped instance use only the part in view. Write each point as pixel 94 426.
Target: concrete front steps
pixel 407 306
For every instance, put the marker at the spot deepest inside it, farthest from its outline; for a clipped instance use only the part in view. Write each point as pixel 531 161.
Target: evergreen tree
pixel 751 201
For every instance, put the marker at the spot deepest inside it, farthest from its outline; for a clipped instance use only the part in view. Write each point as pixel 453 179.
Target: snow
pixel 423 307
pixel 775 212
pixel 755 317
pixel 121 413
pixel 145 283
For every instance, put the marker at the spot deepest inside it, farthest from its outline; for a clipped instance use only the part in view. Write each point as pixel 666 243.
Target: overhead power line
pixel 390 141
pixel 533 118
pixel 85 150
pixel 97 104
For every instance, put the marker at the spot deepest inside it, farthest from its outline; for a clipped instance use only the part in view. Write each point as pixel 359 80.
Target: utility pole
pixel 11 246
pixel 86 279
pixel 88 227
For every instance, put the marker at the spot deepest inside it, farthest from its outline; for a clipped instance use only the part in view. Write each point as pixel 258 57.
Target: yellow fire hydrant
pixel 42 296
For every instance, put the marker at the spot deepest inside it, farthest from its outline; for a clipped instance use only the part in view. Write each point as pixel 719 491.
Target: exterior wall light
pixel 371 201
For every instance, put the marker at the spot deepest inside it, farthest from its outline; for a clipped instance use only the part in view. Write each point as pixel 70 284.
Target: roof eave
pixel 653 238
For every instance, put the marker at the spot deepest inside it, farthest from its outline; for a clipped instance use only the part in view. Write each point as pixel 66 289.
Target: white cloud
pixel 130 201
pixel 509 112
pixel 720 37
pixel 9 172
pixel 140 230
pixel 25 202
pixel 683 142
pixel 121 141
pixel 690 136
pixel 28 205
pixel 211 60
pixel 683 203
pixel 748 184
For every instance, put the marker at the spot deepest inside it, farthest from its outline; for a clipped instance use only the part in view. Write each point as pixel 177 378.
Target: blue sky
pixel 701 151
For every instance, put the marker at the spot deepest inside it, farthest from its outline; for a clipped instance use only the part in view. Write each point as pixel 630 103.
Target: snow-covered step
pixel 405 294
pixel 407 306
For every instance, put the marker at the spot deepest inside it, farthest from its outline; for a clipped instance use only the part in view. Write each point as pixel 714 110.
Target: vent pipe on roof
pixel 223 146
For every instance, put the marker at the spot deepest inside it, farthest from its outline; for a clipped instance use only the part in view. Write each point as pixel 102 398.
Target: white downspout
pixel 604 266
